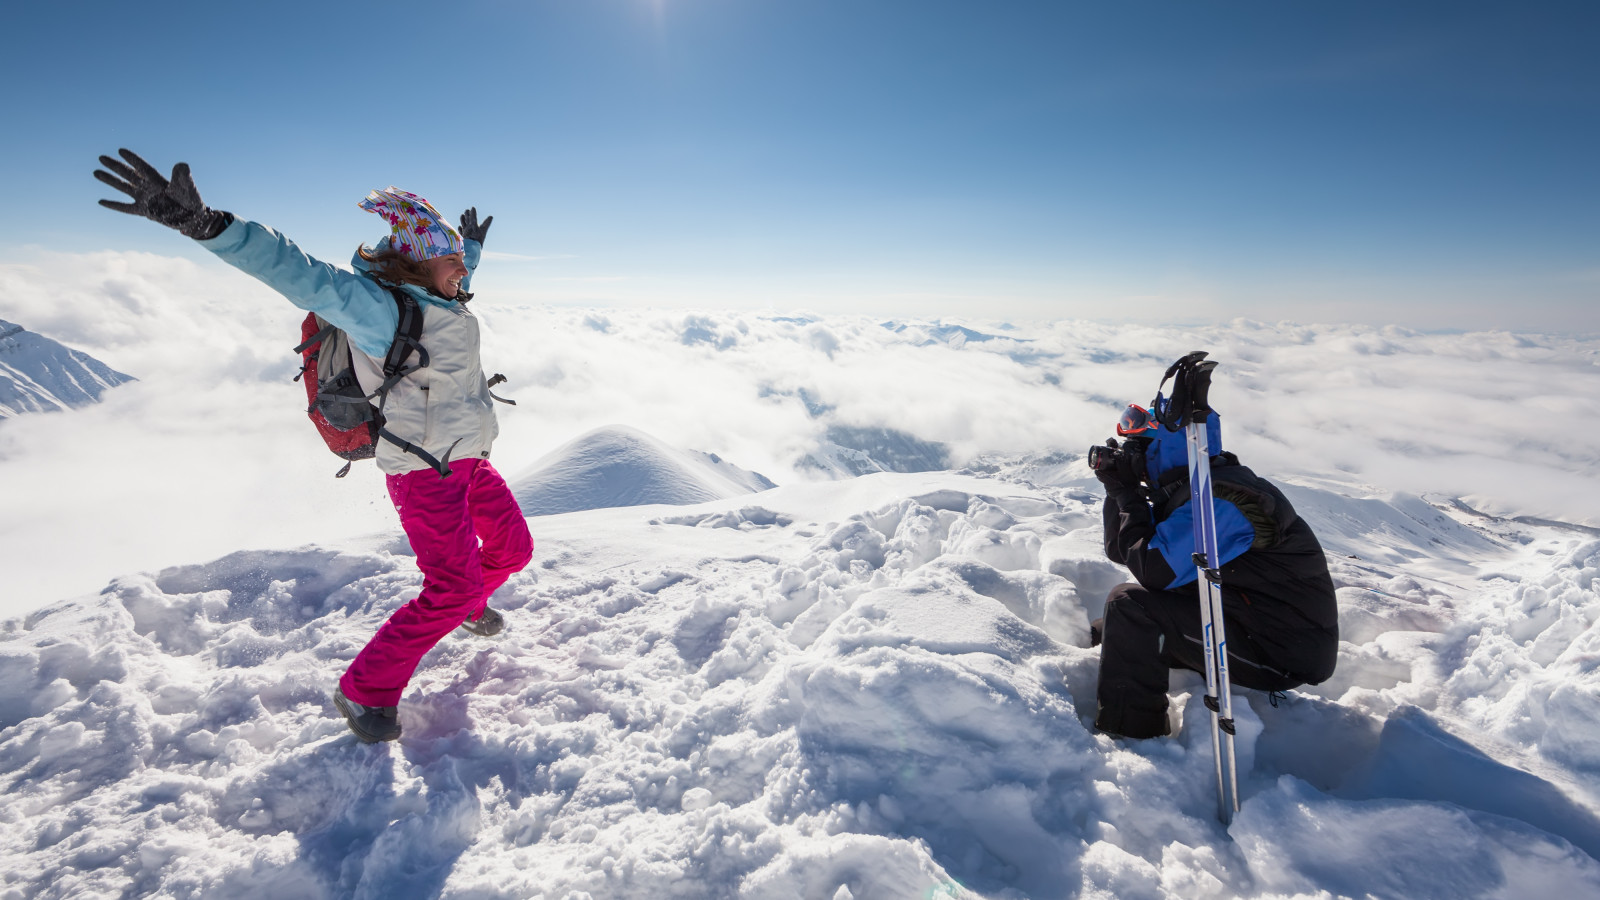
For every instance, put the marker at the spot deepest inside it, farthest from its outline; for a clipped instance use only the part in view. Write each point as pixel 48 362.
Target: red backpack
pixel 346 416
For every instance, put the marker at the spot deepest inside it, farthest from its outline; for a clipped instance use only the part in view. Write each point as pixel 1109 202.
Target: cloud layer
pixel 210 451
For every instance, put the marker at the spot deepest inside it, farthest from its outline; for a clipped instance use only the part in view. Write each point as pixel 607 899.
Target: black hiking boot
pixel 488 623
pixel 370 723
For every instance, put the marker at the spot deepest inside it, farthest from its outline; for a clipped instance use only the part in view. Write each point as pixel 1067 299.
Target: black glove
pixel 470 229
pixel 175 203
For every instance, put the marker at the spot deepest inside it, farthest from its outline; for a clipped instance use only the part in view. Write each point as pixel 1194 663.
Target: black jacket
pixel 1278 592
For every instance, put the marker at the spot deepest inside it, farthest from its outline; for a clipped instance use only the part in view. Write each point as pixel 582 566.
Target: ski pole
pixel 1192 412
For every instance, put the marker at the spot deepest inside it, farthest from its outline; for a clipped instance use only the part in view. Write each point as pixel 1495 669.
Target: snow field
pixel 877 688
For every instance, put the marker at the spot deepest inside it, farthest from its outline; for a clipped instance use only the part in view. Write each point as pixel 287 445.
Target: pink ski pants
pixel 445 519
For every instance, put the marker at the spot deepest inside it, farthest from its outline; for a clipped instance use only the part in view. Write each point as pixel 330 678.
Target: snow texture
pixel 38 374
pixel 871 688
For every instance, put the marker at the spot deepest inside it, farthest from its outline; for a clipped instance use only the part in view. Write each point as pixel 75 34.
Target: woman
pixel 462 521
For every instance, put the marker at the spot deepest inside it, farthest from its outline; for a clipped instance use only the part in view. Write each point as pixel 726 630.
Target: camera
pixel 1102 456
pixel 1126 462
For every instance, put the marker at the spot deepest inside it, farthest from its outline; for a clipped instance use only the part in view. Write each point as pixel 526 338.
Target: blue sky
pixel 1431 165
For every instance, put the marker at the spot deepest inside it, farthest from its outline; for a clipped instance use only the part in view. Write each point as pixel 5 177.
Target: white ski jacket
pixel 444 408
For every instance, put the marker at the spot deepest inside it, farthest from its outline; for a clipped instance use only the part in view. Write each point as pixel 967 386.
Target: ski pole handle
pixel 1199 388
pixel 1191 383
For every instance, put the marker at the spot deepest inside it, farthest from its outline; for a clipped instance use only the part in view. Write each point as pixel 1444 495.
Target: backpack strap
pixel 407 336
pixel 307 344
pixel 496 380
pixel 315 339
pixel 442 466
pixel 407 341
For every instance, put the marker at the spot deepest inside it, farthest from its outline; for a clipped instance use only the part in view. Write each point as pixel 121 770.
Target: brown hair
pixel 394 267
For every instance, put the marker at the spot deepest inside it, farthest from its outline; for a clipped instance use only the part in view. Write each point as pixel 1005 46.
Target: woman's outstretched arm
pixel 356 304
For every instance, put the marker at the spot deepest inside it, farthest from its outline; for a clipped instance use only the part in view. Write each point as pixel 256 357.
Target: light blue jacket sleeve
pixel 360 306
pixel 471 252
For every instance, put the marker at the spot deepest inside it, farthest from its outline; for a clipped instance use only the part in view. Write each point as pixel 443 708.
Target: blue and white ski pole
pixel 1189 409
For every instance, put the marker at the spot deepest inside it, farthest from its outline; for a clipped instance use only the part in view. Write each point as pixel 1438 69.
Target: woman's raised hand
pixel 471 229
pixel 175 203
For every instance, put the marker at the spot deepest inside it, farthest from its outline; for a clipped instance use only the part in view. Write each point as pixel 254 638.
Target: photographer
pixel 1278 602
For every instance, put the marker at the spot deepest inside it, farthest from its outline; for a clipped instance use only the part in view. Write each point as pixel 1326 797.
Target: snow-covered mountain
pixel 873 689
pixel 928 334
pixel 847 451
pixel 38 374
pixel 621 466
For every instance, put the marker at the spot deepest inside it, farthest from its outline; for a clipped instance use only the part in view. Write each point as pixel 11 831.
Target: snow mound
pixel 620 466
pixel 38 374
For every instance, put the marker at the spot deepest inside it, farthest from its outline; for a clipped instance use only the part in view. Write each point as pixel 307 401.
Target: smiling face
pixel 446 273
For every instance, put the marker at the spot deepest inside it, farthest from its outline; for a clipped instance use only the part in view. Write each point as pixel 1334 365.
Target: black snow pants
pixel 1146 634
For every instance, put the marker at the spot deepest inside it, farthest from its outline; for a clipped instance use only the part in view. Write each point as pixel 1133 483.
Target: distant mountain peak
pixel 847 451
pixel 38 374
